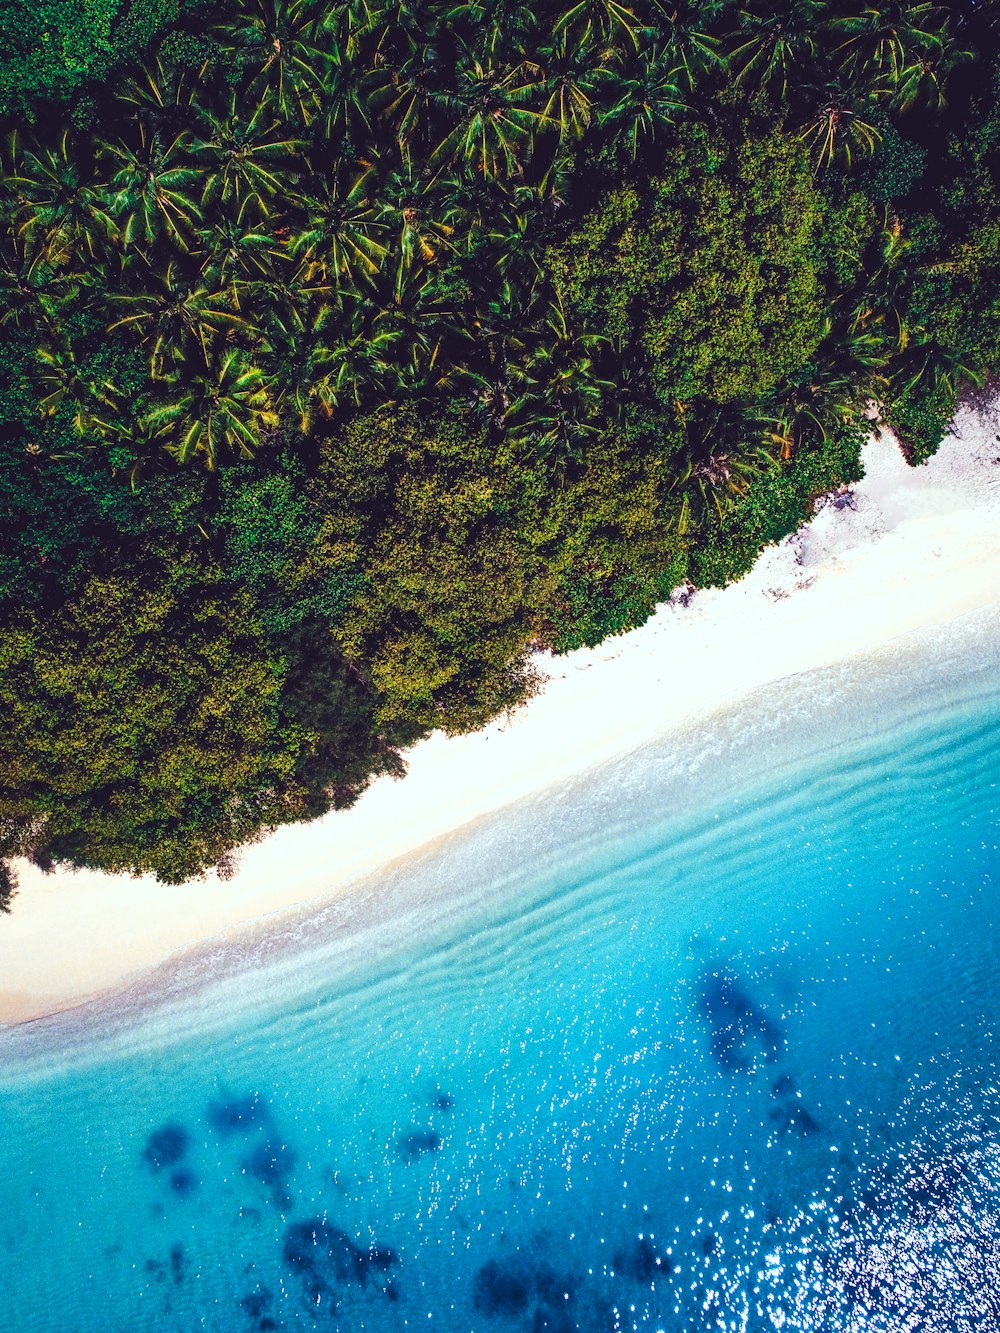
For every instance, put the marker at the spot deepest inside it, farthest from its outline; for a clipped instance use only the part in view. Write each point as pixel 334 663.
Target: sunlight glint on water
pixel 743 1077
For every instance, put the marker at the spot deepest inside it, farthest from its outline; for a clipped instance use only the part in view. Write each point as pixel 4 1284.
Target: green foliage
pixel 775 507
pixel 140 725
pixel 150 727
pixel 920 413
pixel 53 47
pixel 8 883
pixel 608 537
pixel 895 167
pixel 348 354
pixel 421 504
pixel 710 269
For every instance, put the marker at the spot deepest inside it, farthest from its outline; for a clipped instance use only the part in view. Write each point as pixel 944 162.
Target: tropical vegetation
pixel 353 351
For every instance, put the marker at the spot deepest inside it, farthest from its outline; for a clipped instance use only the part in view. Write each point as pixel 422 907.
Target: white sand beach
pixel 906 550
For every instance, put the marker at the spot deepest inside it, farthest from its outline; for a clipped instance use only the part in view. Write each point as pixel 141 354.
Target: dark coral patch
pixel 443 1101
pixel 550 1287
pixel 257 1303
pixel 177 1263
pixel 324 1257
pixel 240 1115
pixel 790 1115
pixel 641 1261
pixel 737 1023
pixel 271 1164
pixel 795 1119
pixel 183 1182
pixel 553 1319
pixel 166 1146
pixel 500 1291
pixel 506 1291
pixel 417 1143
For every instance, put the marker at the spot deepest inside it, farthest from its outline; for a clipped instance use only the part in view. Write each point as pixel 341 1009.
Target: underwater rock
pixel 324 1257
pixel 177 1265
pixel 184 1182
pixel 790 1115
pixel 417 1143
pixel 241 1115
pixel 443 1101
pixel 505 1291
pixel 166 1146
pixel 271 1164
pixel 642 1261
pixel 499 1291
pixel 735 1019
pixel 256 1303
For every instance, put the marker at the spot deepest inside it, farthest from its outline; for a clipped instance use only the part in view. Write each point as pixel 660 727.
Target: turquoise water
pixel 734 1068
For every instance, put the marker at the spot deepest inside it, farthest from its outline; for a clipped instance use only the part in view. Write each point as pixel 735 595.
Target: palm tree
pixel 557 395
pixel 842 124
pixel 407 301
pixel 405 91
pixel 493 27
pixel 351 22
pixel 280 38
pixel 358 365
pixel 235 251
pixel 496 125
pixel 64 383
pixel 420 208
pixel 514 239
pixel 878 310
pixel 611 20
pixel 717 464
pixel 177 317
pixel 773 41
pixel 62 214
pixel 646 99
pixel 845 374
pixel 572 66
pixel 152 179
pixel 935 369
pixel 340 239
pixel 246 160
pixel 32 294
pixel 215 411
pixel 922 80
pixel 885 38
pixel 288 306
pixel 161 95
pixel 345 99
pixel 680 32
pixel 311 368
pixel 907 43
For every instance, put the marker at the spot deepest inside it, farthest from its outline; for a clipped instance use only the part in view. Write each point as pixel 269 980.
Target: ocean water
pixel 722 1060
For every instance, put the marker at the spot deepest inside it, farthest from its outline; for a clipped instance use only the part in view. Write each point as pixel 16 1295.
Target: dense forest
pixel 353 351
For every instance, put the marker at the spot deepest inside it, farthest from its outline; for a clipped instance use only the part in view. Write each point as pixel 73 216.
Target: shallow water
pixel 734 1069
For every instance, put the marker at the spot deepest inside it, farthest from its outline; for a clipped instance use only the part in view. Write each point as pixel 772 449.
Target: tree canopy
pixel 353 352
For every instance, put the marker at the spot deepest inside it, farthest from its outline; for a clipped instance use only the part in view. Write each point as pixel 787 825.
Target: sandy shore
pixel 910 549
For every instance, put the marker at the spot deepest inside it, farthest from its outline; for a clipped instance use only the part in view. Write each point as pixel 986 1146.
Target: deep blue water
pixel 736 1070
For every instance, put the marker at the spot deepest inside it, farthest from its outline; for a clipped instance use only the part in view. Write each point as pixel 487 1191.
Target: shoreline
pixel 918 549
